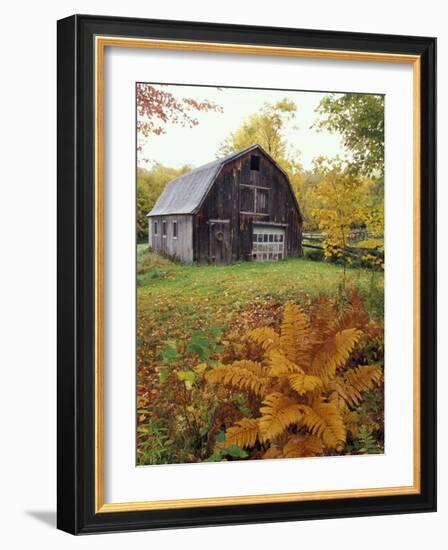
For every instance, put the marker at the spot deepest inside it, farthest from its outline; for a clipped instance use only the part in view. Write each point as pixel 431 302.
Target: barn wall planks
pixel 181 246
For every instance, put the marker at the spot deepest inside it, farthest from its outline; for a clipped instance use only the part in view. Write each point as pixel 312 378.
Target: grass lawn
pixel 174 300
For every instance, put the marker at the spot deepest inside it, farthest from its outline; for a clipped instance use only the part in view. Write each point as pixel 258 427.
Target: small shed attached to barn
pixel 238 207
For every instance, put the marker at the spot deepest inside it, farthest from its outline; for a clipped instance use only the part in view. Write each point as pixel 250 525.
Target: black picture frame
pixel 76 255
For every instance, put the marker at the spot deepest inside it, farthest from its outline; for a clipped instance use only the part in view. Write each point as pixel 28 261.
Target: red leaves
pixel 156 107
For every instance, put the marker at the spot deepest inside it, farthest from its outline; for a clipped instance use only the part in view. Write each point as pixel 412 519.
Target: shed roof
pixel 185 194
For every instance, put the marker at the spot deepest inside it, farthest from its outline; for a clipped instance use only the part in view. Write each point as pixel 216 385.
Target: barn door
pixel 268 243
pixel 220 249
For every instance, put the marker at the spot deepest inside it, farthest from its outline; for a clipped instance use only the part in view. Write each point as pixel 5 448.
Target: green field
pixel 174 300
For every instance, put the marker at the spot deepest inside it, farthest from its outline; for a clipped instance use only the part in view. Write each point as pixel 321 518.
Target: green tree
pixel 359 118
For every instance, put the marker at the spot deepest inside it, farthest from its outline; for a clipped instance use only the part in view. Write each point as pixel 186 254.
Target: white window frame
pixel 265 247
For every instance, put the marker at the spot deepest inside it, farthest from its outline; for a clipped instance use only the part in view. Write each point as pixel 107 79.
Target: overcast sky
pixel 199 145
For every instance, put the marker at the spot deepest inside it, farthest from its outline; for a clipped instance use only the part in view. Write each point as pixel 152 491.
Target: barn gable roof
pixel 185 194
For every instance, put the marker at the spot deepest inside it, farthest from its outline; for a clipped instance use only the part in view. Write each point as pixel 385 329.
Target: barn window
pixel 247 199
pixel 268 243
pixel 175 230
pixel 255 162
pixel 254 199
pixel 155 229
pixel 163 229
pixel 261 204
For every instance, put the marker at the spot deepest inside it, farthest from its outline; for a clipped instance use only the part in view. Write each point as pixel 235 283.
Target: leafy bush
pixel 184 409
pixel 155 445
pixel 314 254
pixel 226 453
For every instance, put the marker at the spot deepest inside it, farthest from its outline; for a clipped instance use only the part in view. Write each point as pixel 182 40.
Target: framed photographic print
pixel 246 274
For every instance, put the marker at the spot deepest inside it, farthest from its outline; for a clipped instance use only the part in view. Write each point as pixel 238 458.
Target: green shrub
pixel 314 254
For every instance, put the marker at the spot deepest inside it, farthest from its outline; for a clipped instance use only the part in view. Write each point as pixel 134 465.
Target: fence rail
pixel 358 234
pixel 314 240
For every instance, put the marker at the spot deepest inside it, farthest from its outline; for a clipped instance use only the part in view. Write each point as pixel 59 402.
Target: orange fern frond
pixel 243 375
pixel 324 420
pixel 334 353
pixel 337 393
pixel 355 315
pixel 322 316
pixel 351 421
pixel 278 413
pixel 244 433
pixel 303 383
pixel 295 335
pixel 358 380
pixel 265 337
pixel 273 452
pixel 280 365
pixel 302 446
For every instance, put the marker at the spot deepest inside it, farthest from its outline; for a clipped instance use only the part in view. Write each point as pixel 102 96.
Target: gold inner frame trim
pixel 101 42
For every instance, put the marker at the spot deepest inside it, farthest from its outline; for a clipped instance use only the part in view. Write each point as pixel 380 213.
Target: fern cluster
pixel 305 382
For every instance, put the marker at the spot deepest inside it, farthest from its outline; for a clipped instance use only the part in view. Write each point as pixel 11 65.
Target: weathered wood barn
pixel 239 207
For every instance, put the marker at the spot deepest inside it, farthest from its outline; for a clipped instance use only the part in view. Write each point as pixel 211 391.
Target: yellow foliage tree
pixel 342 201
pixel 305 385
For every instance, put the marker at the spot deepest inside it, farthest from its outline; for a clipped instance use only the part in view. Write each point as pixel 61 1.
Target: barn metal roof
pixel 184 194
